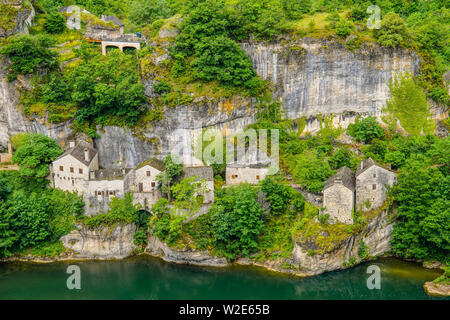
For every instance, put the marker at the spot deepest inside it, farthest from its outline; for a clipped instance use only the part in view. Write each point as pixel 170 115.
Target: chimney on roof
pixel 71 144
pixel 338 180
pixel 86 154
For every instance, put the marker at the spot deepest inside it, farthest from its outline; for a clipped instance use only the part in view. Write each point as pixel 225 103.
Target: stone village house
pixel 366 190
pixel 77 170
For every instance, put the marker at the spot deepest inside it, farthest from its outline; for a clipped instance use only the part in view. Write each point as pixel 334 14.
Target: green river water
pixel 150 278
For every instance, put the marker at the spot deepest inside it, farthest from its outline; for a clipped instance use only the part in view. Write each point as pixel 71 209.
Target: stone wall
pixel 338 202
pixel 371 187
pixel 242 175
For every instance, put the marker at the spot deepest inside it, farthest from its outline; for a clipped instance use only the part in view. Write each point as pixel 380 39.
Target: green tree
pixel 365 129
pixel 173 169
pixel 29 54
pixel 311 171
pixel 188 195
pixel 279 196
pixel 343 28
pixel 392 31
pixel 422 230
pixel 55 22
pixel 295 9
pixel 145 12
pixel 236 220
pixel 34 155
pixel 408 104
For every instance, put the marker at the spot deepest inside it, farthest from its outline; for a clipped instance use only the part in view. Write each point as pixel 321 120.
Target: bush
pixel 55 23
pixel 392 31
pixel 161 87
pixel 365 129
pixel 343 28
pixel 29 54
pixel 236 219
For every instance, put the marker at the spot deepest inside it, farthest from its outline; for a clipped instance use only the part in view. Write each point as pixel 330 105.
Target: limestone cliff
pixel 310 76
pixel 101 243
pixel 376 236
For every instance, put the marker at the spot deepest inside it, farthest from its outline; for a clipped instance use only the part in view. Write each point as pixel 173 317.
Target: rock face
pixel 183 256
pixel 437 289
pixel 310 77
pixel 315 77
pixel 101 243
pixel 376 236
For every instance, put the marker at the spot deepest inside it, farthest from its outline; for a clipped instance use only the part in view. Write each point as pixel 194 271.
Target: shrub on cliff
pixel 365 129
pixel 28 54
pixel 392 32
pixel 55 23
pixel 34 154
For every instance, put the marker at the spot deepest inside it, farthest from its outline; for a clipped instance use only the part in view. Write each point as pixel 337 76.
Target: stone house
pixel 236 173
pixel 143 184
pixel 372 181
pixel 70 171
pixel 339 196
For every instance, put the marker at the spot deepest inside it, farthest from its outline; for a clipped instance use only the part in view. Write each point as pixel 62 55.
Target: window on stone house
pixel 374 175
pixel 103 193
pixel 148 173
pixel 257 177
pixel 141 187
pixel 374 187
pixel 71 169
pixel 61 168
pixel 153 184
pixel 80 171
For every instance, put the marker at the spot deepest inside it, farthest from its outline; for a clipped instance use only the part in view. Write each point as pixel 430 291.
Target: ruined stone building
pixel 202 173
pixel 372 181
pixel 363 191
pixel 339 196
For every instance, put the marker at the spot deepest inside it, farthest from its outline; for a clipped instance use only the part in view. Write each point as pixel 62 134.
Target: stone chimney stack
pixel 71 144
pixel 86 154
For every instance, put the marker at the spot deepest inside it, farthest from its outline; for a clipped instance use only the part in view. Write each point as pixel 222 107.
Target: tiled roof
pixel 153 162
pixel 345 176
pixel 78 152
pixel 366 164
pixel 109 174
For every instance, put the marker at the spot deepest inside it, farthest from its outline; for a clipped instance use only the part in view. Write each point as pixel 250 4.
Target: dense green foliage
pixel 365 129
pixel 34 153
pixel 55 23
pixel 32 215
pixel 236 219
pixel 422 230
pixel 409 106
pixel 28 54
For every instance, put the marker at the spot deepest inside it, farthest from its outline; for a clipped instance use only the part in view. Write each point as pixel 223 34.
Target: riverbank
pixel 145 277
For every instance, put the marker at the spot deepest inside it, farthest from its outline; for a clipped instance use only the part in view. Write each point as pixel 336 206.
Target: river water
pixel 151 278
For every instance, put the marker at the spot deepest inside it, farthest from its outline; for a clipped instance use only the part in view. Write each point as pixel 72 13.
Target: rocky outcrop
pixel 376 236
pixel 20 19
pixel 101 242
pixel 322 77
pixel 183 256
pixel 437 289
pixel 311 77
